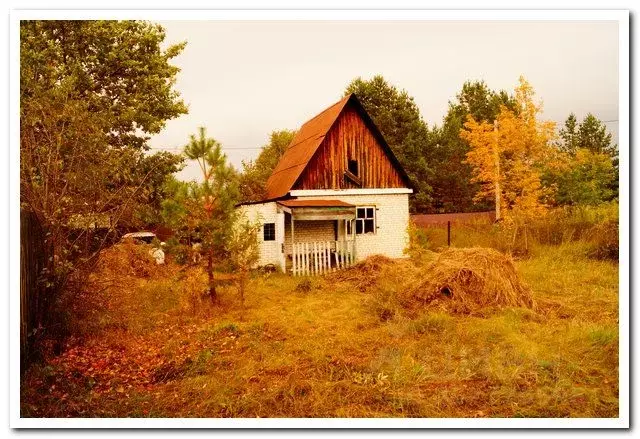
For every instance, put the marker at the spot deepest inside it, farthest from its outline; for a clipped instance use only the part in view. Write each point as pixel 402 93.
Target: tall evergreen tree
pixel 211 204
pixel 588 171
pixel 569 134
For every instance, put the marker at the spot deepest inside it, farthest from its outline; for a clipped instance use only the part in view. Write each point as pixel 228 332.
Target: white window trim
pixel 375 221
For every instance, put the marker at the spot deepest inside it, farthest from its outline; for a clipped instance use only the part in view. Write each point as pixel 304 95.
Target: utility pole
pixel 496 158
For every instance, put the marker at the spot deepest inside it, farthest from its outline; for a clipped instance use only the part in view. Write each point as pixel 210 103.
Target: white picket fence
pixel 313 258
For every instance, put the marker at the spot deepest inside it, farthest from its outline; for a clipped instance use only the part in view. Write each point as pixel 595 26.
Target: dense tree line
pixel 580 165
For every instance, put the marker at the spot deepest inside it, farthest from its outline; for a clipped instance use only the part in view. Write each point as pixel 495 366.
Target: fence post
pixel 449 233
pixel 315 257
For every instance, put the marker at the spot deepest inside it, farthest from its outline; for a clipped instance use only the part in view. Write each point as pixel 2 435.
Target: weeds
pixel 345 347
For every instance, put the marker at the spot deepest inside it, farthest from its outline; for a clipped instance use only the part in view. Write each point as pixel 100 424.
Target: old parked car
pixel 146 237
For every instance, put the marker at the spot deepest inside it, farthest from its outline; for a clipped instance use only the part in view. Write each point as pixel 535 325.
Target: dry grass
pixel 320 347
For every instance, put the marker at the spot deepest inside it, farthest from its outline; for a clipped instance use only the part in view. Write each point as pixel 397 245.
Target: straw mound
pixel 467 279
pixel 128 259
pixel 366 273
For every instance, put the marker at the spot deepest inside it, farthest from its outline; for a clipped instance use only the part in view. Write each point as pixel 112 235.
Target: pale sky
pixel 243 80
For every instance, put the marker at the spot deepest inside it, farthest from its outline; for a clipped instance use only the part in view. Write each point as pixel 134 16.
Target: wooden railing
pixel 313 258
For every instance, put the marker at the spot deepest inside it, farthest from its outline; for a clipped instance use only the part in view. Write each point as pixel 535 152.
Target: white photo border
pixel 620 16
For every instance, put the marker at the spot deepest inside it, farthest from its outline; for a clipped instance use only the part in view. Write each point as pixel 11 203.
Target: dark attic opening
pixel 351 174
pixel 353 167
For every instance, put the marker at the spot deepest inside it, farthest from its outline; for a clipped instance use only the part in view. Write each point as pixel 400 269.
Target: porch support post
pixel 281 240
pixel 293 250
pixel 353 225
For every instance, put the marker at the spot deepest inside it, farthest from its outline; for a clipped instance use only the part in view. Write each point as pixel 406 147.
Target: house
pixel 337 195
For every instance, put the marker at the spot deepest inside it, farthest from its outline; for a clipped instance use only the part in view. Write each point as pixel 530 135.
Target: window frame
pixel 363 220
pixel 267 237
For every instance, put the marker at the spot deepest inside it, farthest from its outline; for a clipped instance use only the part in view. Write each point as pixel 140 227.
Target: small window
pixel 365 221
pixel 270 231
pixel 353 167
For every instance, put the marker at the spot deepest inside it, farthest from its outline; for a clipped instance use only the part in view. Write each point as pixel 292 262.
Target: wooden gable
pixel 352 155
pixel 325 146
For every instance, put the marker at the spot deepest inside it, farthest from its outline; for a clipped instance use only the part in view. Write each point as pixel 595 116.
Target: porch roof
pixel 314 203
pixel 310 210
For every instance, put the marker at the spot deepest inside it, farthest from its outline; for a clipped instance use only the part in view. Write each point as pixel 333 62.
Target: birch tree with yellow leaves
pixel 507 157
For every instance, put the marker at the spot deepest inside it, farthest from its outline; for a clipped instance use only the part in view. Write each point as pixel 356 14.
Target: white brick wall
pixel 390 239
pixel 270 251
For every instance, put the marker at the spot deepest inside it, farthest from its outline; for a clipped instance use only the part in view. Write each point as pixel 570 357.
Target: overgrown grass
pixel 321 347
pixel 593 228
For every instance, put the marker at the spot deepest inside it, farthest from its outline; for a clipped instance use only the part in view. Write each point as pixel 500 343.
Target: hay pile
pixel 365 274
pixel 468 279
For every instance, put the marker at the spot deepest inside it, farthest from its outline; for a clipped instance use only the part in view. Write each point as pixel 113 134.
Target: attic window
pixel 351 173
pixel 353 167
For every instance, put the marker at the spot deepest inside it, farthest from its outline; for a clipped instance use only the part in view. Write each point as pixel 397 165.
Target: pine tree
pixel 211 204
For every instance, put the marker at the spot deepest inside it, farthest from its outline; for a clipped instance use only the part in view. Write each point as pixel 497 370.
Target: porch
pixel 316 238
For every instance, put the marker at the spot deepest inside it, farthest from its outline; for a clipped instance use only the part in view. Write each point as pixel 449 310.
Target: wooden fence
pixel 313 258
pixel 441 219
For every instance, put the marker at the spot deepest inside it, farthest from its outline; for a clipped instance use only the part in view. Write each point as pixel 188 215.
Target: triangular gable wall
pixel 351 139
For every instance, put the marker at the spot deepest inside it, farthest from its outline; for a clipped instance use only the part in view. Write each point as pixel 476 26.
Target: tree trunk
pixel 212 287
pixel 515 236
pixel 496 158
pixel 242 286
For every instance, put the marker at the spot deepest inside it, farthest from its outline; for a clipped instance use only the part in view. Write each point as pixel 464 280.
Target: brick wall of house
pixel 270 251
pixel 390 238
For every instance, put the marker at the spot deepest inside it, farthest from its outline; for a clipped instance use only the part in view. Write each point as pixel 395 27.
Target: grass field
pixel 147 345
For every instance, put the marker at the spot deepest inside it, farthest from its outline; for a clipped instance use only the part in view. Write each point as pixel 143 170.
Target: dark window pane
pixel 358 227
pixel 369 212
pixel 361 212
pixel 368 226
pixel 348 228
pixel 270 232
pixel 353 167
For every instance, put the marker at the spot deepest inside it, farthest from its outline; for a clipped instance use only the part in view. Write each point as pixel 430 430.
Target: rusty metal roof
pixel 314 203
pixel 301 150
